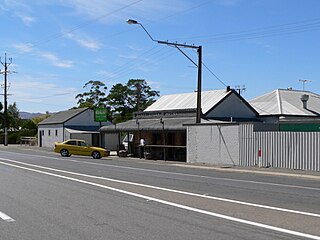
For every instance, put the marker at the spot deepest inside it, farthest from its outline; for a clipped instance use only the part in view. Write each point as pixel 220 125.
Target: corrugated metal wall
pixel 292 150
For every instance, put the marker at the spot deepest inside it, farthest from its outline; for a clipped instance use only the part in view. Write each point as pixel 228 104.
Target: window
pixel 71 142
pixel 56 132
pixel 49 133
pixel 83 144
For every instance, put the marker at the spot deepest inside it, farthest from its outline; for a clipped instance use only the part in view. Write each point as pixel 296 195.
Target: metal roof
pixel 286 102
pixel 135 125
pixel 62 117
pixel 188 101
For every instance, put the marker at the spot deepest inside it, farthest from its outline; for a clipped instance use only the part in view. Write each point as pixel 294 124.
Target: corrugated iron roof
pixel 188 101
pixel 134 125
pixel 62 116
pixel 286 102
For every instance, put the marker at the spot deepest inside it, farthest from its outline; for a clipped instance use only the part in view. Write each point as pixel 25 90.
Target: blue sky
pixel 57 46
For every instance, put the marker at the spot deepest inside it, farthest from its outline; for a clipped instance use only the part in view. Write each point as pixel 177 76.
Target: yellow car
pixel 79 147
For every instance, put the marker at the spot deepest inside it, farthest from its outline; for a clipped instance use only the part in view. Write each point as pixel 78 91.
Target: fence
pixel 32 141
pixel 292 150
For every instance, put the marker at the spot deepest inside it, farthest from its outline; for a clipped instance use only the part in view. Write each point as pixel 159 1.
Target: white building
pixel 75 123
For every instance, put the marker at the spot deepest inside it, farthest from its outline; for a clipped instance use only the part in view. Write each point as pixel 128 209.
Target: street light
pixel 199 65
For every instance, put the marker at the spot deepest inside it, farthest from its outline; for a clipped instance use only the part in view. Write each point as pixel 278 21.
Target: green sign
pixel 300 127
pixel 100 115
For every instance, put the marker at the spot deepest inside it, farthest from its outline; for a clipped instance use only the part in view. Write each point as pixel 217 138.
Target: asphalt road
pixel 44 196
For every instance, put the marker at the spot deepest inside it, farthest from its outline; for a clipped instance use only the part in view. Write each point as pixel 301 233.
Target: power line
pixel 79 26
pixel 54 95
pixel 269 31
pixel 84 24
pixel 131 65
pixel 213 74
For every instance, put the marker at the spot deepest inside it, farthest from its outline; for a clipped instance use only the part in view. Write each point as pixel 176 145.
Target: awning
pixel 72 131
pixel 154 124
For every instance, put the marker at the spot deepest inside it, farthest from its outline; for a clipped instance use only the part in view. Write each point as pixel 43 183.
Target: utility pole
pixel 199 65
pixel 5 64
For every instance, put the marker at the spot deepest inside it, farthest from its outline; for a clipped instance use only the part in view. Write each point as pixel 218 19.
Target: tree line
pixel 121 101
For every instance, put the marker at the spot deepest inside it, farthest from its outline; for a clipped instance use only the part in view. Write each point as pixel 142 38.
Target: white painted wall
pixel 214 144
pixel 56 135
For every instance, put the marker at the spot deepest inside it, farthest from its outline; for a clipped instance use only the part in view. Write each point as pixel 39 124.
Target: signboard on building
pixel 300 127
pixel 100 115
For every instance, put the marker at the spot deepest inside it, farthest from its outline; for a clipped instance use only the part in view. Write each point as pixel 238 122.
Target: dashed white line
pixel 179 174
pixel 171 190
pixel 6 218
pixel 217 215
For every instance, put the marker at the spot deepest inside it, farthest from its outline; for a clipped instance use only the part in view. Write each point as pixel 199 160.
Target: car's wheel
pixel 64 153
pixel 96 155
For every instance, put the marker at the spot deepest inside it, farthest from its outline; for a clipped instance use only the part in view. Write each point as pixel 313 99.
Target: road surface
pixel 45 196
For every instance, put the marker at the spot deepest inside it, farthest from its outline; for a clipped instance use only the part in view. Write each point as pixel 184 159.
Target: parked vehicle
pixel 79 147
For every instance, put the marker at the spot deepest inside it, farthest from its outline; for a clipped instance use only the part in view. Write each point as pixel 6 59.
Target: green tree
pixel 95 96
pixel 40 118
pixel 141 95
pixel 126 99
pixel 118 101
pixel 29 125
pixel 14 117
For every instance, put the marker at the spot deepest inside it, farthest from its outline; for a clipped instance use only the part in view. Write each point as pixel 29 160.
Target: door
pixel 84 148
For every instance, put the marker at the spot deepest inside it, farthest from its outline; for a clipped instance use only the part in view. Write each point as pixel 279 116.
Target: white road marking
pixel 5 217
pixel 217 215
pixel 178 174
pixel 171 190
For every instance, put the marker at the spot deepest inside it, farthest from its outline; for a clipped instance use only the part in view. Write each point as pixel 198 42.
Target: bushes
pixel 14 137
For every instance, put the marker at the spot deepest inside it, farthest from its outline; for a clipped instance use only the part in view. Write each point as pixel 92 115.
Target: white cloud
pixel 21 10
pixel 106 74
pixel 56 61
pixel 85 41
pixel 33 93
pixel 228 2
pixel 129 57
pixel 23 47
pixel 112 11
pixel 27 20
pixel 98 61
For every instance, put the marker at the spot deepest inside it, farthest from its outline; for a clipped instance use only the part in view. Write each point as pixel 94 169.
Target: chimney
pixel 304 98
pixel 228 88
